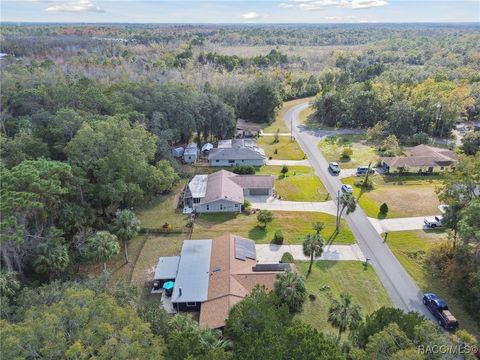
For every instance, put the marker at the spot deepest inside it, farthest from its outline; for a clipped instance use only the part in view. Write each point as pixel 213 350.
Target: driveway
pixel 270 253
pixel 399 224
pixel 288 162
pixel 271 204
pixel 403 291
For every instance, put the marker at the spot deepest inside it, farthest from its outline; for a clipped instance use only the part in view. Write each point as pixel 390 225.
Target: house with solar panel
pixel 224 191
pixel 212 275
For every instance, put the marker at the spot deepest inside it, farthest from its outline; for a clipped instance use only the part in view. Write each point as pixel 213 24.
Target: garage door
pixel 258 191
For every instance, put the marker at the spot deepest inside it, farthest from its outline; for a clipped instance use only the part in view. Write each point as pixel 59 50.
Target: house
pixel 422 159
pixel 237 152
pixel 178 152
pixel 247 129
pixel 224 191
pixel 214 274
pixel 207 147
pixel 191 153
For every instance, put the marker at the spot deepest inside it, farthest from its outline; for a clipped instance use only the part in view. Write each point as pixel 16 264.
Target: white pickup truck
pixel 433 222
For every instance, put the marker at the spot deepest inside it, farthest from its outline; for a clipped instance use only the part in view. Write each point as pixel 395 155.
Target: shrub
pixel 244 170
pixel 247 205
pixel 284 169
pixel 189 224
pixel 420 138
pixel 347 153
pixel 384 209
pixel 275 152
pixel 264 217
pixel 312 297
pixel 278 237
pixel 287 258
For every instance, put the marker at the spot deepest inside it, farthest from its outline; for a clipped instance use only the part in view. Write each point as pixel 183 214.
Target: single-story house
pixel 214 274
pixel 421 159
pixel 191 153
pixel 224 191
pixel 245 128
pixel 237 152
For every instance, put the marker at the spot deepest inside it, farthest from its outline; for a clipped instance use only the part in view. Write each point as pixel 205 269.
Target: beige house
pixel 420 159
pixel 245 128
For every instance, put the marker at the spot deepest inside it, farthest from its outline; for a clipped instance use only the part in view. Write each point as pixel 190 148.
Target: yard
pixel 342 277
pixel 299 184
pixel 294 225
pixel 405 196
pixel 285 148
pixel 279 122
pixel 332 148
pixel 410 248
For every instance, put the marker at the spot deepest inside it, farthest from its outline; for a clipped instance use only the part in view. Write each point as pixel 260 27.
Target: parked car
pixel 334 168
pixel 362 170
pixel 439 310
pixel 347 189
pixel 433 222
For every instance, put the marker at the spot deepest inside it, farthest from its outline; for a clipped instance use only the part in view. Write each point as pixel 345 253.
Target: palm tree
pixel 318 226
pixel 290 289
pixel 313 247
pixel 126 226
pixel 344 314
pixel 51 254
pixel 101 247
pixel 346 201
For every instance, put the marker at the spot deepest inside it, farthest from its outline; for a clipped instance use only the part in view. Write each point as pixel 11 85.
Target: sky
pixel 240 11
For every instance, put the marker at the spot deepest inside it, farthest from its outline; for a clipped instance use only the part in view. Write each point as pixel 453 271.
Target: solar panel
pixel 271 267
pixel 245 249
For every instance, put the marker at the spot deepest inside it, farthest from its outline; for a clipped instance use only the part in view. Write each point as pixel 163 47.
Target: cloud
pixel 313 5
pixel 251 15
pixel 339 18
pixel 78 6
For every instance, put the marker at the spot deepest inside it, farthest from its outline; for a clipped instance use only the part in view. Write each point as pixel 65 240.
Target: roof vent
pixel 217 269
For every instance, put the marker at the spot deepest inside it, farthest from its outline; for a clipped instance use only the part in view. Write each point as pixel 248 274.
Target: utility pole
pixel 338 209
pixel 291 129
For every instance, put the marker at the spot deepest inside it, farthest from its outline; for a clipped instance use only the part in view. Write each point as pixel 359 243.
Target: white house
pixel 237 152
pixel 191 153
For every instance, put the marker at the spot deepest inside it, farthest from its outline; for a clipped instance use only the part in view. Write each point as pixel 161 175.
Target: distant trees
pixel 260 100
pixel 471 143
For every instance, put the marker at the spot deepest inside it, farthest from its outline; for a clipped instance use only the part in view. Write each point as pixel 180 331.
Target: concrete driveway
pixel 274 162
pixel 327 207
pixel 399 224
pixel 270 253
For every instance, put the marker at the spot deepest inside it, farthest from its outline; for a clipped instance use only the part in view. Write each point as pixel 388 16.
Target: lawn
pixel 411 248
pixel 405 196
pixel 279 122
pixel 341 276
pixel 299 184
pixel 294 225
pixel 333 146
pixel 286 149
pixel 163 209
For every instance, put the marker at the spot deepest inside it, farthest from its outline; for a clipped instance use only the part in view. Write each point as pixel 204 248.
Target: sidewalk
pixel 270 253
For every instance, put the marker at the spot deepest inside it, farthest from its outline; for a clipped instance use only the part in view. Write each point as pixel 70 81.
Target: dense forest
pixel 88 118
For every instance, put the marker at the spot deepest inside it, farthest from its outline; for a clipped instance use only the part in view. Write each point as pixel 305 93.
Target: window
pixel 243 160
pixel 221 206
pixel 236 205
pixel 217 160
pixel 208 207
pixel 441 168
pixel 191 304
pixel 196 200
pixel 231 161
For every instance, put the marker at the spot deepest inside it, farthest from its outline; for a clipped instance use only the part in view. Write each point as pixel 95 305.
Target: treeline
pixel 232 62
pixel 88 319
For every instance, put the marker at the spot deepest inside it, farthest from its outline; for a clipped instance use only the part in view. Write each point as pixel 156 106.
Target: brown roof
pixel 224 184
pixel 248 126
pixel 422 156
pixel 230 281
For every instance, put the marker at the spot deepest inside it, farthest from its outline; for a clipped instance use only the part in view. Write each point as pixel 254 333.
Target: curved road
pixel 403 291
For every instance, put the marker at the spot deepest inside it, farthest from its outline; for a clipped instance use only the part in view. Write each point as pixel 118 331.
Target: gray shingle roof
pixel 244 153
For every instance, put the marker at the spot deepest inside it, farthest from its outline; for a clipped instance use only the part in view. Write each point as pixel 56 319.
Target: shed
pixel 177 152
pixel 190 155
pixel 207 147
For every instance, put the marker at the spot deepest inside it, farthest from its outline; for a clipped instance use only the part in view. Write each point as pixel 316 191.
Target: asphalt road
pixel 403 291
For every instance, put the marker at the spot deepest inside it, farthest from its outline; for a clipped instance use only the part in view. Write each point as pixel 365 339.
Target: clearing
pixel 405 195
pixel 411 249
pixel 294 225
pixel 342 277
pixel 285 148
pixel 279 123
pixel 332 148
pixel 299 184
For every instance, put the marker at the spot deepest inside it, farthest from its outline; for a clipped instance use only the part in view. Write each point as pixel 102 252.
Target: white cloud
pixel 339 18
pixel 285 5
pixel 313 5
pixel 252 15
pixel 77 6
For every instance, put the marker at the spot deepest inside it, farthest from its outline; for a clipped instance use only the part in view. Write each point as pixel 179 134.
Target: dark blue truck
pixel 439 309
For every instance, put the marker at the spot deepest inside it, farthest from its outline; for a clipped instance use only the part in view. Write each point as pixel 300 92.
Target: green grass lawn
pixel 279 122
pixel 333 146
pixel 294 225
pixel 299 184
pixel 342 276
pixel 286 149
pixel 163 209
pixel 411 248
pixel 405 196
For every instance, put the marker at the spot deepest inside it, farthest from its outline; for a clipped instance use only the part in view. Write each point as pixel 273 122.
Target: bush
pixel 384 209
pixel 284 169
pixel 247 205
pixel 287 258
pixel 420 138
pixel 244 170
pixel 278 237
pixel 347 153
pixel 275 152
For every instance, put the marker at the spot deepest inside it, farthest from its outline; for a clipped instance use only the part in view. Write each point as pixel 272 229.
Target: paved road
pixel 270 253
pixel 403 291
